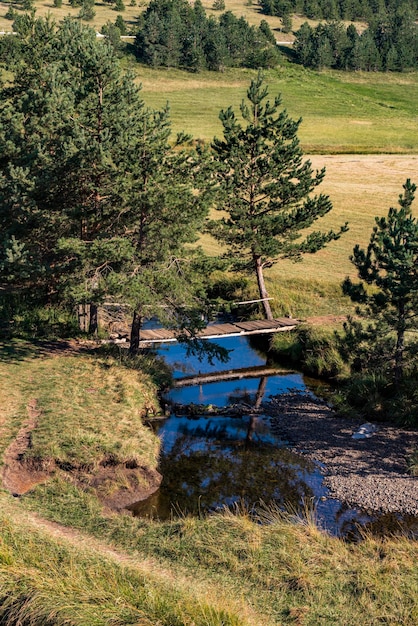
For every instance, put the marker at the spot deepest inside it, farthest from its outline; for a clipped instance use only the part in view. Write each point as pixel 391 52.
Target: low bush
pixel 313 349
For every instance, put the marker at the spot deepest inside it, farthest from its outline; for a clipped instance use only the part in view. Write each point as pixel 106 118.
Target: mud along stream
pixel 219 448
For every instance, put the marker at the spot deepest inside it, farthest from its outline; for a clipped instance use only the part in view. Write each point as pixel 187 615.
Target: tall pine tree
pixel 265 187
pixel 93 196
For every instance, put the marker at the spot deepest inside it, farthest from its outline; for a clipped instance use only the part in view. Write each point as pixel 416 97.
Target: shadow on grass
pixel 16 350
pixel 21 349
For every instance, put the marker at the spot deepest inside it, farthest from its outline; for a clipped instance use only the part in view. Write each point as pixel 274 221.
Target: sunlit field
pixel 341 112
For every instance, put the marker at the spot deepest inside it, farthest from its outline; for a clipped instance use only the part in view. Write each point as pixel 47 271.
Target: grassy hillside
pixel 73 423
pixel 77 416
pixel 369 119
pixel 361 127
pixel 360 187
pixel 341 112
pixel 224 570
pixel 64 560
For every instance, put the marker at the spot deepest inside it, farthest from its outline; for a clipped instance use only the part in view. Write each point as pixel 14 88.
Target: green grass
pixel 360 187
pixel 342 113
pixel 105 12
pixel 83 585
pixel 91 408
pixel 97 568
pixel 285 571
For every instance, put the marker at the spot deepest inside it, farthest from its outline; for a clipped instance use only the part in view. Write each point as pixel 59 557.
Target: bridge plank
pixel 215 331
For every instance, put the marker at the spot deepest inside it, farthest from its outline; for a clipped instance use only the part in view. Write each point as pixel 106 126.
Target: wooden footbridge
pixel 217 331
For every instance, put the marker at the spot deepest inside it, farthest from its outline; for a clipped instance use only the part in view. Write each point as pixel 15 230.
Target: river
pixel 212 461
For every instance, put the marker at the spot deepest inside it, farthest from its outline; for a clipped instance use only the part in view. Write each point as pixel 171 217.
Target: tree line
pixel 390 43
pixel 350 10
pixel 175 33
pixel 98 201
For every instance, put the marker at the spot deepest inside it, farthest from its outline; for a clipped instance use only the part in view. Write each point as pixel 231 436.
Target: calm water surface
pixel 213 461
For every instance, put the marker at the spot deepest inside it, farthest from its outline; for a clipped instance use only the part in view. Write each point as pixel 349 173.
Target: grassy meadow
pixel 222 570
pixel 341 112
pixel 66 561
pixel 360 187
pixel 361 128
pixel 92 423
pixel 351 122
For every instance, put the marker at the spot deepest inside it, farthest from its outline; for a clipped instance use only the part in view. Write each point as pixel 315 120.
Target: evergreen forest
pixel 174 33
pixel 389 43
pixel 351 10
pixel 100 201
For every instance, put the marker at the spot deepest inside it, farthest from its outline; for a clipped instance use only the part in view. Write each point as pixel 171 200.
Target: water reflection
pixel 209 461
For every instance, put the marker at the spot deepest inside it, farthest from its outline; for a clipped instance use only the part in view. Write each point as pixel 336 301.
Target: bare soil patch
pixel 119 486
pixel 325 320
pixel 65 348
pixel 19 476
pixel 371 473
pixel 116 485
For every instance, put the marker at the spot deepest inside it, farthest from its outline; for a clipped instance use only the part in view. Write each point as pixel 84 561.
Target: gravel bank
pixel 370 473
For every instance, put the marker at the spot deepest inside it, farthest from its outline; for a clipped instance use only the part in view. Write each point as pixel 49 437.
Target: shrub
pixel 313 349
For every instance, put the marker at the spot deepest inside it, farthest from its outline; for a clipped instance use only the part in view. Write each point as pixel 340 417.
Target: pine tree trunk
pixel 262 287
pixel 260 392
pixel 400 344
pixel 251 430
pixel 135 333
pixel 83 316
pixel 93 325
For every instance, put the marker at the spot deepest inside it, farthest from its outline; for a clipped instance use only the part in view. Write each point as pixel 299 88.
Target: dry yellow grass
pixel 248 9
pixel 361 187
pixel 105 12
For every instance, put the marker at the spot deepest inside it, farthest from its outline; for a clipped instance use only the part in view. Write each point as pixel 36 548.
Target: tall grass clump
pixel 85 414
pixel 91 410
pixel 278 566
pixel 45 581
pixel 299 297
pixel 413 463
pixel 375 396
pixel 312 349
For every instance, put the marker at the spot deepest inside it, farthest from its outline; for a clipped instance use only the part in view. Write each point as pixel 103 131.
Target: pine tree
pixel 390 265
pixel 90 189
pixel 167 196
pixel 265 187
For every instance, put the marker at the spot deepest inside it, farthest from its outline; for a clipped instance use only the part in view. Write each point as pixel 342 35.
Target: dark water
pixel 221 460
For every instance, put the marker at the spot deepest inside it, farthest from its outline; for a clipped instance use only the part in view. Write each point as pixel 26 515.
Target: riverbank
pixel 66 560
pixel 370 471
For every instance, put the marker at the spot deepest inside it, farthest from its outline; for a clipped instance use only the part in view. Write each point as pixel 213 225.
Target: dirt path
pixel 17 477
pixel 188 585
pixel 370 472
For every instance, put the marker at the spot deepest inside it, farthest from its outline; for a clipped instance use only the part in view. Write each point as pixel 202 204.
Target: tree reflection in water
pixel 216 461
